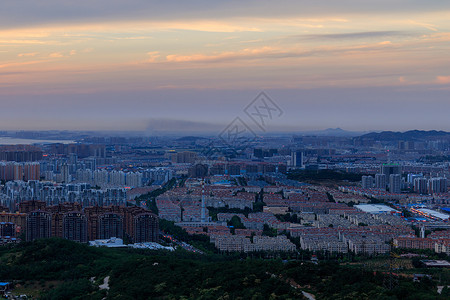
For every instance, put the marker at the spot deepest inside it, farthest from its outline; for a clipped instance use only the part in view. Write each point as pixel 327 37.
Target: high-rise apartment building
pixel 411 177
pixel 85 175
pixel 101 177
pixel 185 157
pixel 58 212
pixel 7 171
pixel 380 181
pixel 437 185
pixel 18 219
pixel 65 174
pixel 389 169
pixel 134 179
pixel 145 228
pixel 81 150
pixel 421 185
pixel 71 221
pixel 159 175
pixel 110 225
pixel 75 227
pixel 117 178
pixel 7 229
pixel 198 170
pixel 233 169
pixel 20 153
pixel 297 159
pixel 395 183
pixel 29 206
pixel 18 171
pixel 39 225
pixel 367 182
pixel 31 171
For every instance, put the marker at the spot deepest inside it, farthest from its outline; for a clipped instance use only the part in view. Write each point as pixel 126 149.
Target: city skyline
pixel 151 66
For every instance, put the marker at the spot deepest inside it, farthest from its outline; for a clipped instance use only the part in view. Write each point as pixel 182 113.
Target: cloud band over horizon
pixel 111 64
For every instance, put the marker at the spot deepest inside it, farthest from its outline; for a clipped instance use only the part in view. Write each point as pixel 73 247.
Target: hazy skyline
pixel 144 65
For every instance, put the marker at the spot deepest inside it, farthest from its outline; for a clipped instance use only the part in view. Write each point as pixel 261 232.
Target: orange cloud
pixel 27 54
pixel 443 79
pixel 245 53
pixel 56 55
pixel 18 64
pixel 429 26
pixel 152 56
pixel 21 42
pixel 279 53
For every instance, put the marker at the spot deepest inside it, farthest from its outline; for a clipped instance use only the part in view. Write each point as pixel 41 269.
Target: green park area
pixel 60 269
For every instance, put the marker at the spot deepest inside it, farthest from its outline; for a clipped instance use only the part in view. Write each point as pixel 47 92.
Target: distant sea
pixel 14 141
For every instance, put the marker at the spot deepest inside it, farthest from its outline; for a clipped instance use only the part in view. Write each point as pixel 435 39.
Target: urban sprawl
pixel 330 194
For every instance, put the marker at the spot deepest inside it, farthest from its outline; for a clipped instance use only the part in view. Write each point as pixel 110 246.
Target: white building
pixel 117 178
pixel 109 243
pixel 134 179
pixel 100 177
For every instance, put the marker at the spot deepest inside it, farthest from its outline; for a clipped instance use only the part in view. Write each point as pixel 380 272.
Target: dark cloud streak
pixel 26 13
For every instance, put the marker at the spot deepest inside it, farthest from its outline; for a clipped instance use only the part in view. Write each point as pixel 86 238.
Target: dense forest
pixel 60 269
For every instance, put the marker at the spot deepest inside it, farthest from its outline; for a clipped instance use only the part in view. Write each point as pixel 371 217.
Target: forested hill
pixel 59 269
pixel 411 135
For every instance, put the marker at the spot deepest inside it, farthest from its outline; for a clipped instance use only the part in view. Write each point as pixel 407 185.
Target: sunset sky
pixel 190 65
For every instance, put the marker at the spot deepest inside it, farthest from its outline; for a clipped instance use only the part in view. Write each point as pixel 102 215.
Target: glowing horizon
pixel 216 48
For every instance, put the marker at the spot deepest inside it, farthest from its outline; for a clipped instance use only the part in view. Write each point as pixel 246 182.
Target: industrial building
pixel 375 208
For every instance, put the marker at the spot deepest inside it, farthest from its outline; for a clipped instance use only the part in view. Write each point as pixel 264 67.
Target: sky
pixel 159 66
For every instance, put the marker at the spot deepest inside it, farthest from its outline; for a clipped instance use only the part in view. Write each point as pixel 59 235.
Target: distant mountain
pixel 333 132
pixel 411 135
